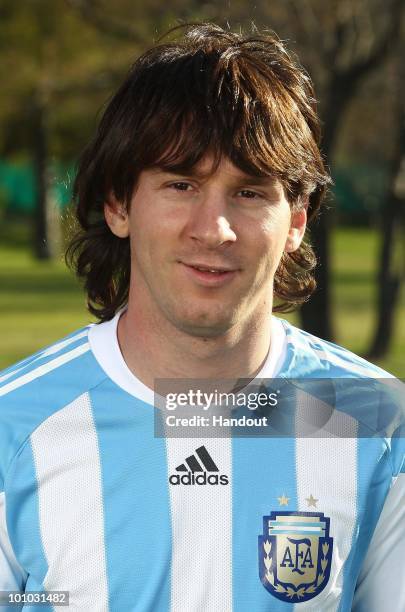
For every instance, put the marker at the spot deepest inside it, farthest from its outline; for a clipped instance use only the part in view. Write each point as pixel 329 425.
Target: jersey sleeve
pixel 381 583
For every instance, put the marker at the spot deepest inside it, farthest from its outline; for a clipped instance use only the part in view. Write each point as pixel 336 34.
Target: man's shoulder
pixel 352 386
pixel 44 360
pixel 316 357
pixel 40 385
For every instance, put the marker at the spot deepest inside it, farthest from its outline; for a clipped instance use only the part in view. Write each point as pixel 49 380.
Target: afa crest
pixel 295 554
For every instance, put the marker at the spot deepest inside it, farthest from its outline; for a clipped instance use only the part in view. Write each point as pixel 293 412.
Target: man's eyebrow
pixel 254 179
pixel 251 179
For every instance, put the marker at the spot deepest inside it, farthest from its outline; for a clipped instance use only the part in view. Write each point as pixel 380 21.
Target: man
pixel 193 200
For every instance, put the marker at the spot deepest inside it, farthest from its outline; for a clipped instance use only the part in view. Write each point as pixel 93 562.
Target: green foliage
pixel 66 57
pixel 51 57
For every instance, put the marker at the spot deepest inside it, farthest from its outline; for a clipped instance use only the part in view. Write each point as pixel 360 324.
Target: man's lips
pixel 208 275
pixel 207 267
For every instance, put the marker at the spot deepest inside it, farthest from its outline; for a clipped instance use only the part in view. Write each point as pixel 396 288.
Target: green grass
pixel 355 294
pixel 41 301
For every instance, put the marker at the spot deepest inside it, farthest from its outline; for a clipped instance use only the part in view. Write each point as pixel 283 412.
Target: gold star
pixel 283 500
pixel 311 501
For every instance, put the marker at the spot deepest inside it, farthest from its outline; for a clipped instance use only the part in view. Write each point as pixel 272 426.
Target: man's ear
pixel 297 227
pixel 116 216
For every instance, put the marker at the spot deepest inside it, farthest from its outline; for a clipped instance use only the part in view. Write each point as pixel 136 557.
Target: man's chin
pixel 204 327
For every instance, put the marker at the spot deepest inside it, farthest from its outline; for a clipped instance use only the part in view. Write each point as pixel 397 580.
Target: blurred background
pixel 61 60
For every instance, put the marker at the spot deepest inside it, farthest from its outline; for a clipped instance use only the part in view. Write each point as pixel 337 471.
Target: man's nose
pixel 210 222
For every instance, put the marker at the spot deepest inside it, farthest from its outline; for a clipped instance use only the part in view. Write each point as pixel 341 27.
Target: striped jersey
pixel 94 503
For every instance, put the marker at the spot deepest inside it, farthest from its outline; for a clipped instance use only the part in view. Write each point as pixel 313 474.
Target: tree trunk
pixel 40 158
pixel 389 283
pixel 316 315
pixel 391 270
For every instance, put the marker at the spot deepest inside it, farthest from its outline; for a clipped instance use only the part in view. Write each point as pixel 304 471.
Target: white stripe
pixel 200 516
pixel 9 374
pixel 12 576
pixel 67 463
pixel 326 468
pixel 384 561
pixel 44 369
pixel 63 344
pixel 49 351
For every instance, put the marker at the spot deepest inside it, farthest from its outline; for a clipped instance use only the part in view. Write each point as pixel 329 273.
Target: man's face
pixel 231 226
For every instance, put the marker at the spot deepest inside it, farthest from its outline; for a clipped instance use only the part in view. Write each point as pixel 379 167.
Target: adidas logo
pixel 198 471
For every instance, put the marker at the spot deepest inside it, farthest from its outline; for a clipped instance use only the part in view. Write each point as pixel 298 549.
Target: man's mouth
pixel 209 268
pixel 209 275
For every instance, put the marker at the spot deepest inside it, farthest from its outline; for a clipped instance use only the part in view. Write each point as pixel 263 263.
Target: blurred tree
pixel 342 42
pixel 391 273
pixel 55 70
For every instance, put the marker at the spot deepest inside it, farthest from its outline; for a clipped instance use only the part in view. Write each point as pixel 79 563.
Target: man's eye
pixel 247 193
pixel 180 186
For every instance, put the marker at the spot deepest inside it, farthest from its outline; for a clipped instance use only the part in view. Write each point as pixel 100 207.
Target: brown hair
pixel 243 97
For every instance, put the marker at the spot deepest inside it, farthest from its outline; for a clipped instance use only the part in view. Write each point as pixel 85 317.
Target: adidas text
pixel 198 479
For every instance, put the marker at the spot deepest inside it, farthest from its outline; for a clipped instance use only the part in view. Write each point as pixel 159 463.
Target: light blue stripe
pixel 23 520
pixel 263 470
pixel 137 516
pixel 373 482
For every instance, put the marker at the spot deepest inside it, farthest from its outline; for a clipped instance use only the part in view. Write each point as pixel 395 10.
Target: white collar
pixel 105 347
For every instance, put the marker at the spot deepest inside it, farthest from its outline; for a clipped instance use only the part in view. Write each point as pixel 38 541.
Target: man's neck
pixel 154 348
